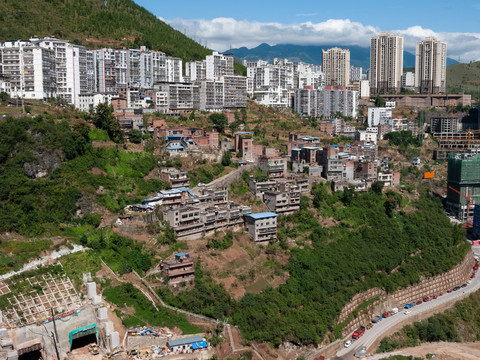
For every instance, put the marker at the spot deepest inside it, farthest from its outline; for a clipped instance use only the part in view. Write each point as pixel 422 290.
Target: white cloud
pixel 223 33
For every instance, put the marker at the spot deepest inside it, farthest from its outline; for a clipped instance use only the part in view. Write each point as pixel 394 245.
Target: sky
pixel 224 24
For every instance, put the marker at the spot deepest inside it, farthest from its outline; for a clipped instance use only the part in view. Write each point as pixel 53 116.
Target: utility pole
pixel 55 337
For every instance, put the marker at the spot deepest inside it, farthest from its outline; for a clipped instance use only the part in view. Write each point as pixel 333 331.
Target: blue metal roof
pixel 175 148
pixel 296 149
pixel 262 215
pixel 243 133
pixel 199 345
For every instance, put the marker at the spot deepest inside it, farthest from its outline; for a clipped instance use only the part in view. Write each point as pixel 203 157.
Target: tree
pixel 226 158
pixel 104 119
pixel 219 121
pixel 3 97
pixel 135 136
pixel 192 116
pixel 377 187
pixel 379 101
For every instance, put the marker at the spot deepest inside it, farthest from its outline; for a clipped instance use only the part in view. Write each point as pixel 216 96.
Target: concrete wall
pixel 427 287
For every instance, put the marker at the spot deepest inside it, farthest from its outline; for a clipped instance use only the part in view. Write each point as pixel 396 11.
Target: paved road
pixel 380 328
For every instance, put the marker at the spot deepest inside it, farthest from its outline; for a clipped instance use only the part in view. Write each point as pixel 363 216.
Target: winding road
pixel 379 329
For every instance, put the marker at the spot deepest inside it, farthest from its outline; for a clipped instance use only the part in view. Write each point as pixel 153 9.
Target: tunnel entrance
pixel 83 336
pixel 30 350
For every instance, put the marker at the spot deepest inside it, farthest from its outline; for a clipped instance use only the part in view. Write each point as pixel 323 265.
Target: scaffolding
pixel 42 293
pixel 464 177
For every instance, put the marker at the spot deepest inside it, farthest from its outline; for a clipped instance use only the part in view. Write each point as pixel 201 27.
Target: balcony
pixel 270 230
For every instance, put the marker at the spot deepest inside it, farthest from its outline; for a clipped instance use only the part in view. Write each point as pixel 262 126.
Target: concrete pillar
pixel 96 299
pixel 108 327
pixel 114 340
pixel 102 313
pixel 1 317
pixel 91 289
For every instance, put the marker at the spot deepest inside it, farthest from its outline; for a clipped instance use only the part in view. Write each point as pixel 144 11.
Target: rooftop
pixel 262 215
pixel 186 341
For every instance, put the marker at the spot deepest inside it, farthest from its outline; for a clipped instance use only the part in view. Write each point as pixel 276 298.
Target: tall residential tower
pixel 336 66
pixel 430 66
pixel 386 64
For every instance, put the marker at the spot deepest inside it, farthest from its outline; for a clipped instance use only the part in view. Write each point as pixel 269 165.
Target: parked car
pixel 449 290
pixel 464 286
pixel 440 294
pixel 410 305
pixel 348 343
pixel 407 312
pixel 419 302
pixel 456 288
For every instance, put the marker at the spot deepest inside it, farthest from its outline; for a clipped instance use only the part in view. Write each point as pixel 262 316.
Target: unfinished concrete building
pixel 262 227
pixel 463 184
pixel 178 269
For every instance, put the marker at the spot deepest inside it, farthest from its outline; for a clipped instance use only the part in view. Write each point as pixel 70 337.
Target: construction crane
pixel 470 132
pixel 470 201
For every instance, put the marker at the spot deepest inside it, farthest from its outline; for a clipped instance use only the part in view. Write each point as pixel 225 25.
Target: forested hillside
pixel 378 241
pixel 95 23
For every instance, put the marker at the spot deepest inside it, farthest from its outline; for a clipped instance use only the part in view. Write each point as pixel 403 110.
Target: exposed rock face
pixel 43 164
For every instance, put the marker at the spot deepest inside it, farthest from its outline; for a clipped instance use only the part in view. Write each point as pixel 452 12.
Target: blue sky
pixel 221 24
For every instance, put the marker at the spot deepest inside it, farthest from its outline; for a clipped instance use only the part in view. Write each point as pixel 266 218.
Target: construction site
pixel 43 316
pixel 463 185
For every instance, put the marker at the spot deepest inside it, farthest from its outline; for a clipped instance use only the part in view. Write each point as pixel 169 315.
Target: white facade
pixel 408 80
pixel 430 66
pixel 218 65
pixel 378 115
pixel 29 68
pixel 5 86
pixel 367 135
pixel 364 88
pixel 355 73
pixel 336 66
pixel 88 102
pixel 386 63
pixel 317 103
pixel 70 68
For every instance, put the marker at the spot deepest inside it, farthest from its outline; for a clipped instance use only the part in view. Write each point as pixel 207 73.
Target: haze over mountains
pixel 359 56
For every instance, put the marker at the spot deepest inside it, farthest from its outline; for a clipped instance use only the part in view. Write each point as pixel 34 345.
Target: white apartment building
pixel 29 68
pixel 378 115
pixel 317 103
pixel 430 66
pixel 356 73
pixel 218 65
pixel 88 102
pixel 195 70
pixel 332 101
pixel 336 66
pixel 174 69
pixel 5 86
pixel 211 94
pixel 235 91
pixel 176 97
pixel 70 68
pixel 386 63
pixel 309 76
pixel 364 89
pixel 370 134
pixel 408 80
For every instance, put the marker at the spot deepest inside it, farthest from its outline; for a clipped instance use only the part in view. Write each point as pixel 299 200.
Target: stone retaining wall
pixel 426 287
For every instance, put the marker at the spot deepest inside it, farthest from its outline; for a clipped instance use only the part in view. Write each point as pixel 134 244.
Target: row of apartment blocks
pixel 326 102
pixel 195 216
pixel 50 67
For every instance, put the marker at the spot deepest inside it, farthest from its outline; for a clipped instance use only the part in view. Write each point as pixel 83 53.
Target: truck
pixel 394 310
pixel 408 306
pixel 359 332
pixel 376 319
pixel 387 314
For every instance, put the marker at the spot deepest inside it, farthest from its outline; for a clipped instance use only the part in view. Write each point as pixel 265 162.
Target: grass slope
pixel 95 23
pixel 464 78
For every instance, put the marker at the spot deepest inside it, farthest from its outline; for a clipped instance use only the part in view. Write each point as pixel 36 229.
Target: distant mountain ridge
pixel 312 54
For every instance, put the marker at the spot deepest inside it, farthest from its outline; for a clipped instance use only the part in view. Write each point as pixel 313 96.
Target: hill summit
pixel 95 23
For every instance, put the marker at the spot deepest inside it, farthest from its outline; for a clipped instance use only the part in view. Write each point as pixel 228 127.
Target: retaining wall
pixel 426 287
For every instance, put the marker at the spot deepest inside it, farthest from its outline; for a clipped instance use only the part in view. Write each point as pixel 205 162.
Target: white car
pixel 348 343
pixel 407 312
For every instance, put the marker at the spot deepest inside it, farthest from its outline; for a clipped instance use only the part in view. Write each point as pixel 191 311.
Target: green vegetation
pixel 117 22
pixel 464 78
pixel 205 174
pixel 458 324
pixel 14 254
pixel 135 136
pixel 219 121
pixel 401 357
pixel 376 243
pixel 37 206
pixel 224 242
pixel 126 295
pixel 103 119
pixel 121 254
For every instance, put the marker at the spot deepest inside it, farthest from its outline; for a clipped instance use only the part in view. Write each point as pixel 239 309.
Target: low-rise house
pixel 274 167
pixel 389 178
pixel 262 227
pixel 189 344
pixel 178 269
pixel 175 177
pixel 286 200
pixel 170 198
